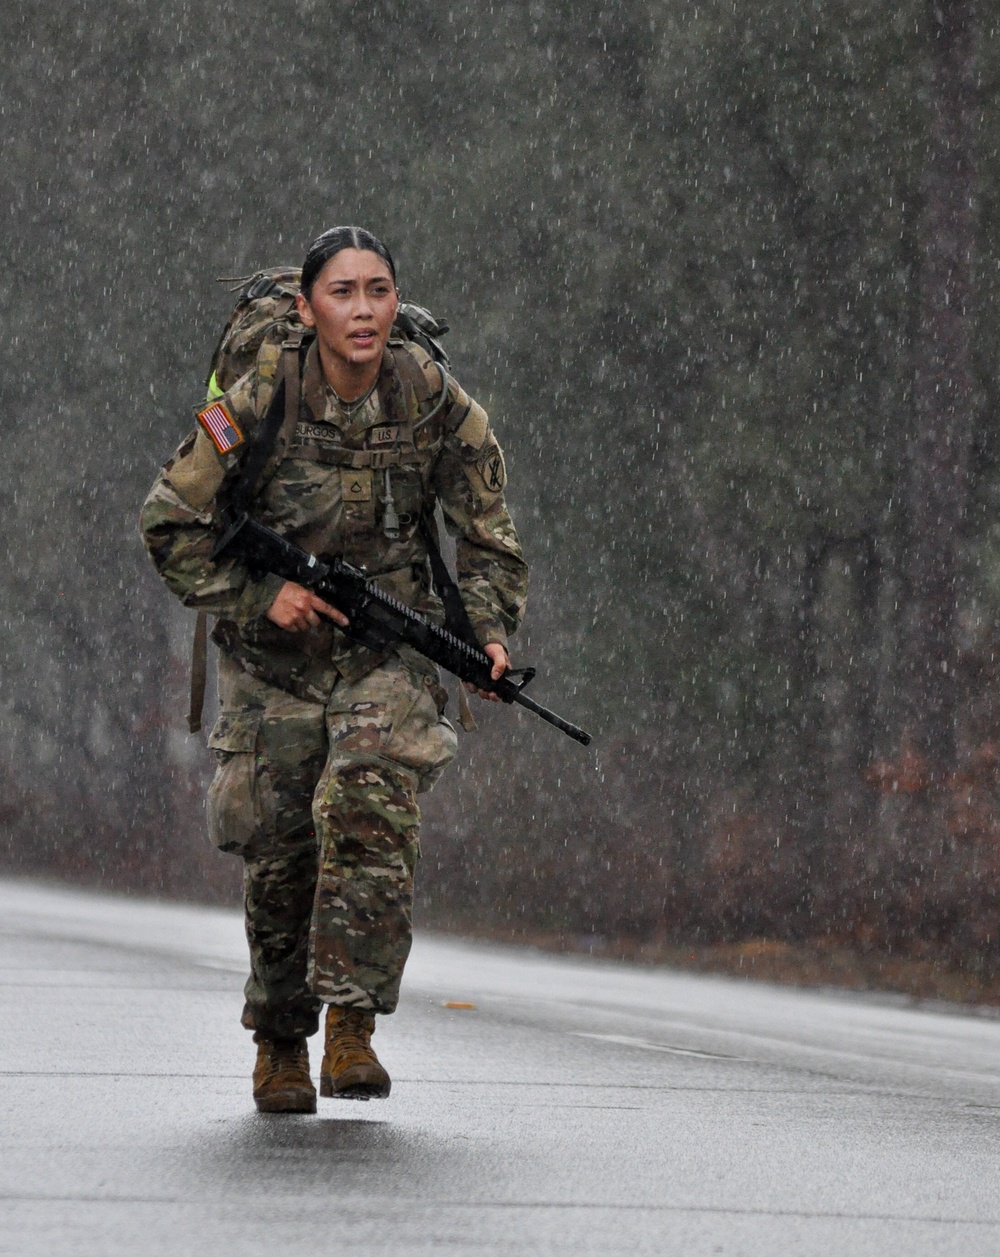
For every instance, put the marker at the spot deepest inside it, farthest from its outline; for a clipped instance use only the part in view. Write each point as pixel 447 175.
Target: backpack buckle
pixel 260 286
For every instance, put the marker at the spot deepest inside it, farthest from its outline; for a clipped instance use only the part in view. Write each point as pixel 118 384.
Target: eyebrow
pixel 375 279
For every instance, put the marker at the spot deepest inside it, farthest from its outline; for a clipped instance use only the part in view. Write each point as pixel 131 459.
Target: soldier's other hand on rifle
pixel 501 662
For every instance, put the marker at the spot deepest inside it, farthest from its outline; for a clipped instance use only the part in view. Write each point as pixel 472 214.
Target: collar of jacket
pixel 388 386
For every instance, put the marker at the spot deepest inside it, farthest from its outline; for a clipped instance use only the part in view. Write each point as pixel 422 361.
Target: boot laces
pixel 354 1030
pixel 284 1055
pixel 352 1034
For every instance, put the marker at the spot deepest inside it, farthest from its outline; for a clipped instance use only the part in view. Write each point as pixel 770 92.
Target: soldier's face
pixel 352 306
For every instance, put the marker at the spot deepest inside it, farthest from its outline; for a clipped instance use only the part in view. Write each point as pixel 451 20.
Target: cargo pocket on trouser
pixel 240 802
pixel 420 737
pixel 395 713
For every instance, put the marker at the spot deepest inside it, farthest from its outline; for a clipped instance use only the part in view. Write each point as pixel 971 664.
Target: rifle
pixel 378 620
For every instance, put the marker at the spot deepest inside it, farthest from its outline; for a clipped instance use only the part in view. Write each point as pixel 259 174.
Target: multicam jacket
pixel 352 484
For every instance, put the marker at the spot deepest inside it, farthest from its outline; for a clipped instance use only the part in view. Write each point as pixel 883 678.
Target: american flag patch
pixel 221 427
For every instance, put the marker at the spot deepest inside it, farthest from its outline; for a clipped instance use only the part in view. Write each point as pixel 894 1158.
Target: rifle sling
pixel 456 617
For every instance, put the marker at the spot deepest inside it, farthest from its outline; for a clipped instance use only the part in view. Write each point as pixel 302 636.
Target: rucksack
pixel 265 309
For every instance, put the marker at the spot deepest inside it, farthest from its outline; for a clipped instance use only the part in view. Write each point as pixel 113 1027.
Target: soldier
pixel 322 745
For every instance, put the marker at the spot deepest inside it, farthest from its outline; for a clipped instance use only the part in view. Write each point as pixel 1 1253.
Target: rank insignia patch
pixel 221 427
pixel 356 485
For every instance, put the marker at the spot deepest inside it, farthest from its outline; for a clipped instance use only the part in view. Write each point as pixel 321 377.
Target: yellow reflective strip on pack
pixel 213 389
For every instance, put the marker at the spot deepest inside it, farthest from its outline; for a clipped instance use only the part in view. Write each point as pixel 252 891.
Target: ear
pixel 305 310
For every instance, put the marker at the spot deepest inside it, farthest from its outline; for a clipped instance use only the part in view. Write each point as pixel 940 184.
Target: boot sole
pixel 287 1102
pixel 353 1084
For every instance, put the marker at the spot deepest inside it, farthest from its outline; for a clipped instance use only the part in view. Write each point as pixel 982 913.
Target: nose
pixel 362 306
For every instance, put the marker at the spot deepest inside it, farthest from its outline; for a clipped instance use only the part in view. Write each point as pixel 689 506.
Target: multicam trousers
pixel 320 801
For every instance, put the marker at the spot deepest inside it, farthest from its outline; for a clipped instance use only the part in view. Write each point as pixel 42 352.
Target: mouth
pixel 363 338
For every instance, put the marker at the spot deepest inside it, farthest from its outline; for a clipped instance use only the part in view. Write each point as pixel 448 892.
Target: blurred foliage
pixel 677 245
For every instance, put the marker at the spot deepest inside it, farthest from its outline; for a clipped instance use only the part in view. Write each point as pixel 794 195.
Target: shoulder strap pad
pixel 418 371
pixel 424 383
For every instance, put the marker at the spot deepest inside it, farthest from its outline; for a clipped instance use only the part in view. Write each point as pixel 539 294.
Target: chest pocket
pixel 382 485
pixel 304 501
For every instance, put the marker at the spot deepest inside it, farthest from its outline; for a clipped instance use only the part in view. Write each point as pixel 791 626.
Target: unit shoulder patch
pixel 220 426
pixel 492 469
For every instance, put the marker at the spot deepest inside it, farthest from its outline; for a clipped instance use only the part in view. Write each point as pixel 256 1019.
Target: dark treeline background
pixel 698 260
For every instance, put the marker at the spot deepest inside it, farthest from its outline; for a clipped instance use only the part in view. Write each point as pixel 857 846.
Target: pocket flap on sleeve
pixel 196 474
pixel 236 732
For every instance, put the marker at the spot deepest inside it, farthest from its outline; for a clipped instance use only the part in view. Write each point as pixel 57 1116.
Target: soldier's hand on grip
pixel 296 609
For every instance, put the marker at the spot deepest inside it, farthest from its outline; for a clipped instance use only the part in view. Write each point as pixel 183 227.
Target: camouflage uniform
pixel 322 745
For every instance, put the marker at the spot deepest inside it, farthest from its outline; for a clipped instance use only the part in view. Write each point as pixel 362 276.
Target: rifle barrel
pixel 571 730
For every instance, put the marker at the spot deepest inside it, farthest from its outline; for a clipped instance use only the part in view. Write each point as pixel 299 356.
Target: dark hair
pixel 324 247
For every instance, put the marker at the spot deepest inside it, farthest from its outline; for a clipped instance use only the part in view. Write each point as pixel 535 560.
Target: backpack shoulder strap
pixel 282 412
pixel 199 671
pixel 425 382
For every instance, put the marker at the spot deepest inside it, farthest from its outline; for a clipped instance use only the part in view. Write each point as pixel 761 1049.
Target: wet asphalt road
pixel 581 1108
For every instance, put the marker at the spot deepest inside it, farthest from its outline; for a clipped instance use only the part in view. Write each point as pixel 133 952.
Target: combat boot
pixel 281 1082
pixel 351 1070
